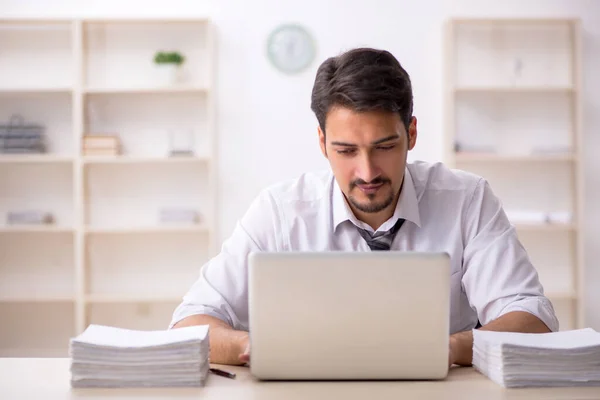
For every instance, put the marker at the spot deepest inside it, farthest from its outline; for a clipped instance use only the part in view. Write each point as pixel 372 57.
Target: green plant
pixel 166 57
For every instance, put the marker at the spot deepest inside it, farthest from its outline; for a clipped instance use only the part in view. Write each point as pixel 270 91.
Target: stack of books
pixel 568 358
pixel 104 356
pixel 101 145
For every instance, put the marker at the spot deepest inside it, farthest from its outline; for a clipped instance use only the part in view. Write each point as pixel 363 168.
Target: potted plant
pixel 168 65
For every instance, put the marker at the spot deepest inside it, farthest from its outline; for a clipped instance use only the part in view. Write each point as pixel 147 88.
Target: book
pixel 567 358
pixel 101 152
pixel 97 141
pixel 105 356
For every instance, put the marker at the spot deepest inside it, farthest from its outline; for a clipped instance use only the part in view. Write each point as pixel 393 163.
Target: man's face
pixel 367 153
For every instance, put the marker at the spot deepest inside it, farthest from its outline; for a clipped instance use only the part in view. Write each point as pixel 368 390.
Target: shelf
pixel 146 90
pixel 513 89
pixel 514 86
pixel 120 298
pixel 146 20
pixel 143 160
pixel 561 295
pixel 492 157
pixel 37 299
pixel 533 227
pixel 33 158
pixel 99 76
pixel 36 90
pixel 35 229
pixel 149 229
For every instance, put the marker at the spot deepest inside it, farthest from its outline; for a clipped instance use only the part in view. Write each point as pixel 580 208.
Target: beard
pixel 372 206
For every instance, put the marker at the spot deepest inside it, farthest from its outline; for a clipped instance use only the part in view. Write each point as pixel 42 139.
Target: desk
pixel 48 379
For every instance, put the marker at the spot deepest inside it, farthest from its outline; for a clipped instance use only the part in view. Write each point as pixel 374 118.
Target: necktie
pixel 381 241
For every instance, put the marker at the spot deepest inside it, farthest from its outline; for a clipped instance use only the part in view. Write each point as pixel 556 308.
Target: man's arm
pixel 461 343
pixel 219 298
pixel 226 344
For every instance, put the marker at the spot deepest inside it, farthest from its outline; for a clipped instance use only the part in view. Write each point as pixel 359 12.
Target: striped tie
pixel 381 241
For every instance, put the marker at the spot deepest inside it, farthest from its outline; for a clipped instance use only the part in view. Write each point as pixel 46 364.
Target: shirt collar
pixel 407 206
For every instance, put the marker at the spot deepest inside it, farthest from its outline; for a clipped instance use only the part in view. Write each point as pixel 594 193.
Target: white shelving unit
pixel 106 258
pixel 513 116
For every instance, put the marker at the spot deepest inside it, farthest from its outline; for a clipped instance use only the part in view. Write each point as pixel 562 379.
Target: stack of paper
pixel 103 356
pixel 569 358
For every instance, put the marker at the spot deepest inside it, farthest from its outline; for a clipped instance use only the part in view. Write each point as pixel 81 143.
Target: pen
pixel 220 372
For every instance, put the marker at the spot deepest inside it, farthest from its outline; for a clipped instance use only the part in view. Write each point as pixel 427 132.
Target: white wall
pixel 265 127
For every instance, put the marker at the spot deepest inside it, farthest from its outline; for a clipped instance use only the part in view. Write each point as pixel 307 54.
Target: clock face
pixel 290 48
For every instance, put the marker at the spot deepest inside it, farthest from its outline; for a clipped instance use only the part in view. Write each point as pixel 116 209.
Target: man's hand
pixel 245 356
pixel 227 346
pixel 452 350
pixel 461 343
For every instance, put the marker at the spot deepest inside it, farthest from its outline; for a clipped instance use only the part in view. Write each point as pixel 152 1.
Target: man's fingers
pixel 245 356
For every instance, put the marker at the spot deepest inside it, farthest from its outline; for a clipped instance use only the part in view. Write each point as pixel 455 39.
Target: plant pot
pixel 167 74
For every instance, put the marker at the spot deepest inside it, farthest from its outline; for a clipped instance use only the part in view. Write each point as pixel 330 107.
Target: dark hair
pixel 363 80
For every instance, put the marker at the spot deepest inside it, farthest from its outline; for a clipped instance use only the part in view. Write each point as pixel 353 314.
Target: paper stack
pixel 178 216
pixel 569 358
pixel 104 356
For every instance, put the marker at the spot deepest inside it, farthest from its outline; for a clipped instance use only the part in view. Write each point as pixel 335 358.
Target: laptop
pixel 349 315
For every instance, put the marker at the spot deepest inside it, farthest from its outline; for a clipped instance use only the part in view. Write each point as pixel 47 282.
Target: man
pixel 373 200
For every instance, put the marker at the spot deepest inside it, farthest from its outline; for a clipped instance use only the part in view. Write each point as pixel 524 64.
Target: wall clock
pixel 290 48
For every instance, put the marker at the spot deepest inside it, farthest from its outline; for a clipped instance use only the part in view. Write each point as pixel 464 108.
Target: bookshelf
pixel 513 116
pixel 107 258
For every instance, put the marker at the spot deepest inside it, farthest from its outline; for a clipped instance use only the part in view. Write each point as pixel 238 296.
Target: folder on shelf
pixel 29 217
pixel 568 358
pixel 104 356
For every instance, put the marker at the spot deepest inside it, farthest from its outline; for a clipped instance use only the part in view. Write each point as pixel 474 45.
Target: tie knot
pixel 381 240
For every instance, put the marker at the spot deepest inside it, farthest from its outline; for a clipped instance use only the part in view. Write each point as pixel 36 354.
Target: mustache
pixel 376 181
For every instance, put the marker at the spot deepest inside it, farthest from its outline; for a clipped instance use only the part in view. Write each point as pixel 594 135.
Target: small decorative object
pixel 101 145
pixel 291 48
pixel 552 149
pixel 517 70
pixel 526 216
pixel 461 147
pixel 18 137
pixel 560 217
pixel 181 143
pixel 168 66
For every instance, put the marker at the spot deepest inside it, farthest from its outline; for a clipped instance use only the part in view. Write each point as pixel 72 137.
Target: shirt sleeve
pixel 221 291
pixel 498 276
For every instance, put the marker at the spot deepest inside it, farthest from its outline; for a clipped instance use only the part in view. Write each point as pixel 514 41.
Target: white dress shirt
pixel 445 210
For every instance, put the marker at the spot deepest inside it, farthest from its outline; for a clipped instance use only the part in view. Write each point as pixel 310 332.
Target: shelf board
pixel 561 295
pixel 493 157
pixel 143 160
pixel 36 90
pixel 544 227
pixel 140 298
pixel 148 229
pixel 146 20
pixel 33 158
pixel 49 298
pixel 35 229
pixel 146 90
pixel 508 21
pixel 514 89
